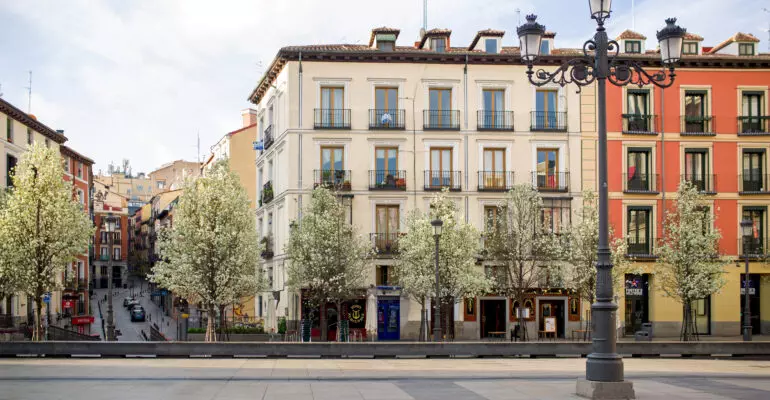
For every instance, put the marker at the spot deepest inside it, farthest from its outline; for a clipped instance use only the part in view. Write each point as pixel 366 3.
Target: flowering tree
pixel 688 266
pixel 522 249
pixel 458 248
pixel 42 228
pixel 328 258
pixel 210 253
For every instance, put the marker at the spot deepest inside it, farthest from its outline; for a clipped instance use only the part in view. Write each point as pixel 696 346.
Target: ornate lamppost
pixel 600 63
pixel 747 230
pixel 437 227
pixel 109 226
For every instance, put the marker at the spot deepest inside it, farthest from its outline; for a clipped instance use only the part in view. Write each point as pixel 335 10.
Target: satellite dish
pixel 386 119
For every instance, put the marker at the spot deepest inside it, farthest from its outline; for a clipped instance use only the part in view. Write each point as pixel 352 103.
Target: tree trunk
pixel 324 323
pixel 339 320
pixel 423 322
pixel 37 334
pixel 223 336
pixel 210 328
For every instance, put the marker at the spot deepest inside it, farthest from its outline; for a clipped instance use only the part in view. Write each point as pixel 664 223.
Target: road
pixel 132 331
pixel 383 379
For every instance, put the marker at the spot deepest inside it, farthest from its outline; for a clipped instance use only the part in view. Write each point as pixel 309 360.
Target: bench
pixel 496 335
pixel 585 333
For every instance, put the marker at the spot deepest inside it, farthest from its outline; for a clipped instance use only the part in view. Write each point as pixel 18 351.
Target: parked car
pixel 126 300
pixel 131 303
pixel 137 314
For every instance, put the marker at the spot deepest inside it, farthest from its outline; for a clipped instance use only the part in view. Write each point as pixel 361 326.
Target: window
pixel 746 49
pixel 116 237
pixel 104 252
pixel 545 48
pixel 546 107
pixel 690 48
pixel 633 46
pixel 440 167
pixel 103 269
pixel 638 230
pixel 492 218
pixel 438 44
pixel 493 115
pixel 385 45
pixel 386 159
pixel 637 118
pixel 81 198
pixel 556 215
pixel 387 226
pixel 160 184
pixel 116 253
pixel 103 238
pixel 753 107
pixel 696 168
pixel 332 158
pixel 753 170
pixel 80 171
pixel 639 169
pixel 10 165
pixel 29 137
pixel 493 175
pixel 386 112
pixel 547 175
pixel 9 129
pixel 332 107
pixel 386 275
pixel 490 45
pixel 756 243
pixel 694 112
pixel 117 223
pixel 440 113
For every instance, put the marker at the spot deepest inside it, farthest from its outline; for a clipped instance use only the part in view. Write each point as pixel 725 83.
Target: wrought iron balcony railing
pixel 553 182
pixel 437 180
pixel 385 243
pixel 494 120
pixel 698 125
pixel 268 137
pixel 267 192
pixel 448 120
pixel 706 183
pixel 548 121
pixel 752 183
pixel 639 124
pixel 640 247
pixel 332 118
pixel 332 179
pixel 754 125
pixel 753 247
pixel 495 181
pixel 387 180
pixel 640 183
pixel 387 119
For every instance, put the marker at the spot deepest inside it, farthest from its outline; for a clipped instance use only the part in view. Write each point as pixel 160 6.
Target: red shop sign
pixel 83 320
pixel 66 303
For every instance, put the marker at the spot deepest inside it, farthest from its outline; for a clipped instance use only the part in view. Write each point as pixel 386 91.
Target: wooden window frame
pixel 385 149
pixel 331 157
pixel 635 46
pixel 386 97
pixel 690 45
pixel 742 49
pixel 439 102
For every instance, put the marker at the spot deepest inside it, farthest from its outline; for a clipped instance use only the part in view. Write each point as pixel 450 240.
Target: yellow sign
pixel 185 315
pixel 356 313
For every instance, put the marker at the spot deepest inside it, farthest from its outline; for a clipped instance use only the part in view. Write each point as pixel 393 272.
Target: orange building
pixel 710 128
pixel 109 203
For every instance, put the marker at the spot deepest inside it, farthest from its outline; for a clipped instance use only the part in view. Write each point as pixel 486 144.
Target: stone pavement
pixel 131 331
pixel 385 379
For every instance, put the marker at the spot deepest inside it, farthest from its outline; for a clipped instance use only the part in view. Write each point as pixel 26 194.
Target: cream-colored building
pixel 389 125
pixel 171 176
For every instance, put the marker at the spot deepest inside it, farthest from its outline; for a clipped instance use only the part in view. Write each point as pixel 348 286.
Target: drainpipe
pixel 299 147
pixel 663 158
pixel 465 137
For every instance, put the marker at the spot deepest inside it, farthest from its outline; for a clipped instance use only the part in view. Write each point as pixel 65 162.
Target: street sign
pixel 47 298
pixel 258 145
pixel 185 315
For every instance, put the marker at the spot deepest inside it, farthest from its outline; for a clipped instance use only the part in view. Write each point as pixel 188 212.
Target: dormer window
pixel 490 46
pixel 746 49
pixel 633 46
pixel 438 44
pixel 545 47
pixel 690 48
pixel 385 45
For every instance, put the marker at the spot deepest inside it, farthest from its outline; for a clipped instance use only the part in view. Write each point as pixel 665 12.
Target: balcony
pixel 385 243
pixel 640 183
pixel 698 125
pixel 267 192
pixel 268 137
pixel 553 182
pixel 639 124
pixel 494 120
pixel 548 121
pixel 387 180
pixel 705 183
pixel 338 180
pixel 753 184
pixel 753 126
pixel 332 118
pixel 104 257
pixel 447 120
pixel 495 181
pixel 267 248
pixel 640 247
pixel 753 247
pixel 437 180
pixel 387 119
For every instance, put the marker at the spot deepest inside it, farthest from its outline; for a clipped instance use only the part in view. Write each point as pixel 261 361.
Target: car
pixel 126 300
pixel 137 314
pixel 131 303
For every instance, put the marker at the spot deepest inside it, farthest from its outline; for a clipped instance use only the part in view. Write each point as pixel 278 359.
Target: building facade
pixel 171 176
pixel 237 148
pixel 110 257
pixel 389 126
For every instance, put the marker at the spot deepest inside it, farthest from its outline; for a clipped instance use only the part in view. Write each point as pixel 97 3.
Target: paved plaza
pixel 384 379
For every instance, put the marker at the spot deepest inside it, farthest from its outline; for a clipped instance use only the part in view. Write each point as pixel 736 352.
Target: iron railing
pixel 492 120
pixel 495 181
pixel 437 180
pixel 640 183
pixel 640 247
pixel 267 252
pixel 268 137
pixel 705 183
pixel 332 118
pixel 553 182
pixel 754 125
pixel 639 124
pixel 385 243
pixel 441 119
pixel 267 192
pixel 104 257
pixel 753 247
pixel 387 119
pixel 332 179
pixel 548 121
pixel 753 183
pixel 387 180
pixel 698 125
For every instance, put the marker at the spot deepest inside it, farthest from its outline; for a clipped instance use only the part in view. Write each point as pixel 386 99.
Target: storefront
pixel 493 317
pixel 388 318
pixel 637 302
pixel 354 311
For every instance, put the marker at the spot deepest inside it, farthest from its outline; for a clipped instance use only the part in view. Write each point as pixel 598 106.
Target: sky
pixel 141 79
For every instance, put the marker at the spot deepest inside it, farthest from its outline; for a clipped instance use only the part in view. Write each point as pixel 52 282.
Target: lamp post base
pixel 605 390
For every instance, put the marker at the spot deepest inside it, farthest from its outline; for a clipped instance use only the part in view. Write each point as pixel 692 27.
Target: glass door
pixel 547 167
pixel 494 105
pixel 493 176
pixel 440 167
pixel 696 167
pixel 332 105
pixel 694 111
pixel 387 227
pixel 755 244
pixel 638 117
pixel 440 113
pixel 753 170
pixel 546 107
pixel 386 107
pixel 386 167
pixel 638 233
pixel 638 177
pixel 332 165
pixel 752 113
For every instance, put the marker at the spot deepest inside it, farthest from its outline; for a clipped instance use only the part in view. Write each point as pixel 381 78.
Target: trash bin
pixel 645 334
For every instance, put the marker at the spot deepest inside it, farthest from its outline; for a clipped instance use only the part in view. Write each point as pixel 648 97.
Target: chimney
pixel 249 117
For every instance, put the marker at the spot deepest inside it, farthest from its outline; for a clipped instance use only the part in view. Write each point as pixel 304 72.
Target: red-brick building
pixel 109 203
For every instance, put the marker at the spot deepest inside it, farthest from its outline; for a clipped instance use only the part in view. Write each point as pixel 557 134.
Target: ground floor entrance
pixel 493 318
pixel 637 302
pixel 388 318
pixel 551 311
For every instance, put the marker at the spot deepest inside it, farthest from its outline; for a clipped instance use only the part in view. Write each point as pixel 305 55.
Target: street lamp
pixel 109 226
pixel 747 230
pixel 437 227
pixel 600 63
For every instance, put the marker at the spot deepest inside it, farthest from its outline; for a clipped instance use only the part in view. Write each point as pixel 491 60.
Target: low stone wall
pixel 233 337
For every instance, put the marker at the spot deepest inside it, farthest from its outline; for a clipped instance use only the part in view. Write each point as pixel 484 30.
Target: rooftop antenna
pixel 518 15
pixel 633 15
pixel 29 94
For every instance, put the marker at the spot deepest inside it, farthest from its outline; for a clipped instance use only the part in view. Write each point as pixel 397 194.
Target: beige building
pixel 390 125
pixel 137 189
pixel 171 176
